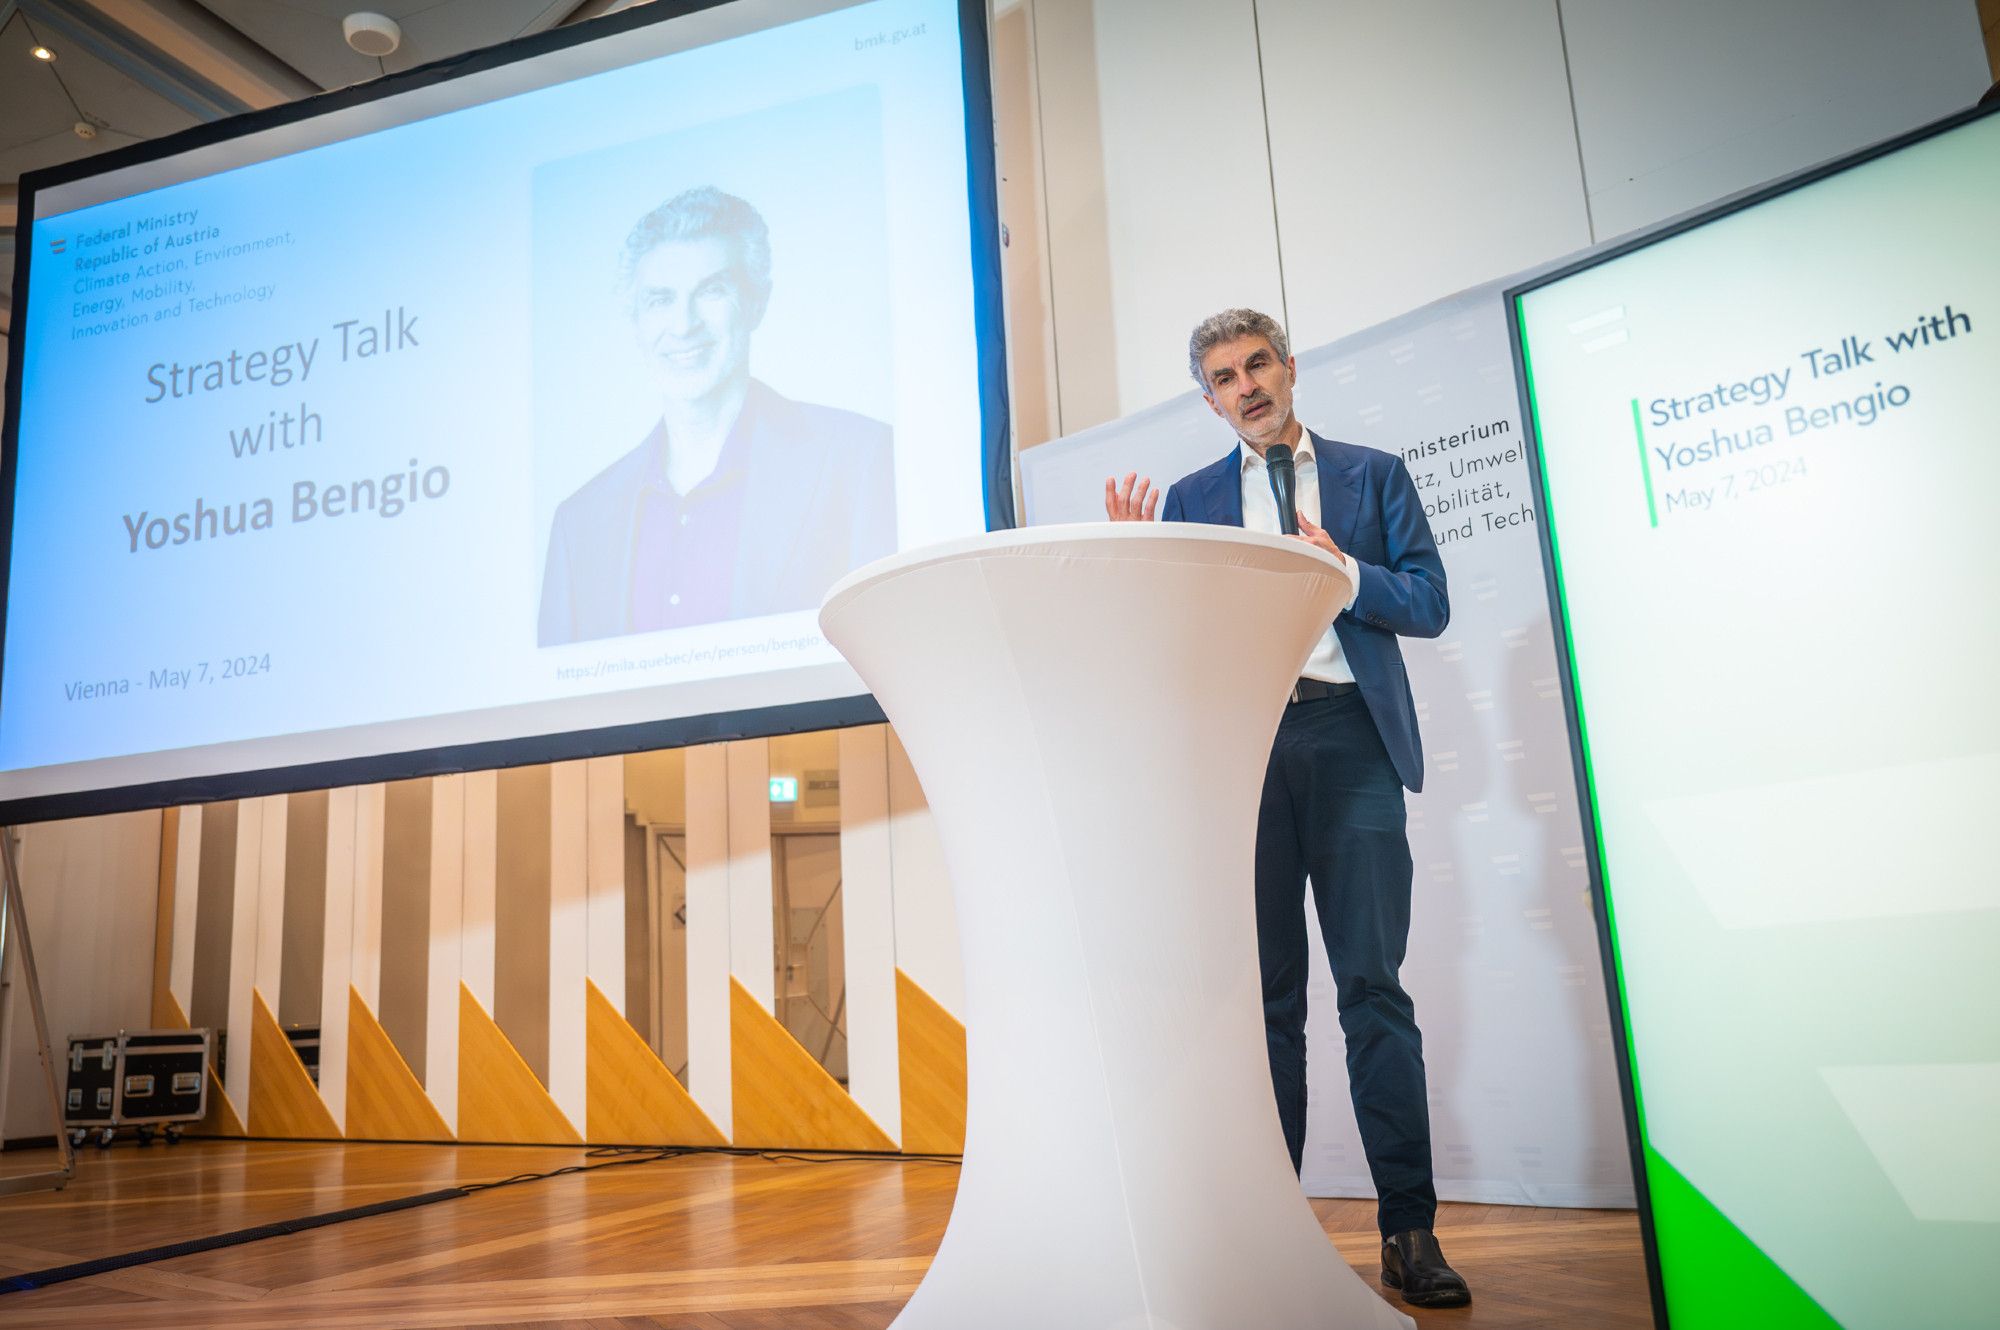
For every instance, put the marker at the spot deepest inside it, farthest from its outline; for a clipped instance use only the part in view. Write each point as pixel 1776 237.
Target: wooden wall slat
pixel 868 924
pixel 444 963
pixel 568 937
pixel 187 905
pixel 707 936
pixel 336 970
pixel 241 1020
pixel 163 913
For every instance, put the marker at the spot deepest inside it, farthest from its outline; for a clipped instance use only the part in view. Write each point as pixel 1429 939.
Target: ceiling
pixel 127 70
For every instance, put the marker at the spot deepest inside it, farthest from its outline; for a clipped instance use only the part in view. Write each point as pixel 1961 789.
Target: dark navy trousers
pixel 1332 811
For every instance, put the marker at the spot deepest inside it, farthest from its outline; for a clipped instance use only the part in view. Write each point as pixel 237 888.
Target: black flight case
pixel 144 1079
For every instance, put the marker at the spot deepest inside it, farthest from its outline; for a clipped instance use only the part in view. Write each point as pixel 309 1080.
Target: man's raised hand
pixel 1132 501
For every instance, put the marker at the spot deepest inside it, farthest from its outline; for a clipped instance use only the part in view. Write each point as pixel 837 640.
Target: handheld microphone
pixel 1284 486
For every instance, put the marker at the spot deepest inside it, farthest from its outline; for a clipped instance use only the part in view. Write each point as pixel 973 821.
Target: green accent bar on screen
pixel 1639 432
pixel 1716 1276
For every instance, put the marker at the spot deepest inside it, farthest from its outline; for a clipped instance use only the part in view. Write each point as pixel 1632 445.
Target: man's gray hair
pixel 1227 326
pixel 696 214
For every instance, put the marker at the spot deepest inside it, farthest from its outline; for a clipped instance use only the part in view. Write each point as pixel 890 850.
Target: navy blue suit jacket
pixel 825 504
pixel 1369 505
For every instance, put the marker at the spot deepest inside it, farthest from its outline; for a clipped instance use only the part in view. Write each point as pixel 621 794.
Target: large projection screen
pixel 1765 446
pixel 518 408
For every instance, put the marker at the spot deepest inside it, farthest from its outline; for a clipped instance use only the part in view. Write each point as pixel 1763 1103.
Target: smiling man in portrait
pixel 739 502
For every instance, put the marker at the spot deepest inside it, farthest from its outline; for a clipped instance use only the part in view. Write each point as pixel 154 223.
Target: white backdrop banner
pixel 1503 961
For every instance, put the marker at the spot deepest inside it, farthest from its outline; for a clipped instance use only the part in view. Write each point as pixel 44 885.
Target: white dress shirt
pixel 1328 662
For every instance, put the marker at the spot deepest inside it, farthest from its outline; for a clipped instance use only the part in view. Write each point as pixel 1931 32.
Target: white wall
pixel 1158 187
pixel 1414 149
pixel 92 889
pixel 1679 104
pixel 1392 191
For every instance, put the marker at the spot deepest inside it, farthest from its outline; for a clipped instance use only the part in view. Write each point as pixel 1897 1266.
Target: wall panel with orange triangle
pixel 778 1096
pixel 499 1097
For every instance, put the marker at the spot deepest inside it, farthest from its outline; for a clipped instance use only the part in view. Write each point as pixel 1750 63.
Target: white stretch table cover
pixel 1090 709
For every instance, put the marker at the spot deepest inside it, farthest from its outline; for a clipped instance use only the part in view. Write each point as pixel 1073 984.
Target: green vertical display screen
pixel 1769 458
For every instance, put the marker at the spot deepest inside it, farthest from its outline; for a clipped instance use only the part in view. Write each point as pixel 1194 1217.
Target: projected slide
pixel 1769 456
pixel 538 400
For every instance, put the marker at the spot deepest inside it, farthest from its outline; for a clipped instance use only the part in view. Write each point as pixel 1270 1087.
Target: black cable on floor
pixel 59 1274
pixel 616 1156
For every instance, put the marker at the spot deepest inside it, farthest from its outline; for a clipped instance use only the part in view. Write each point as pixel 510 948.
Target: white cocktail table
pixel 1089 709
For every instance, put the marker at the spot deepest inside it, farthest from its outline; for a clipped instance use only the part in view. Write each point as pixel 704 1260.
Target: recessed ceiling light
pixel 42 53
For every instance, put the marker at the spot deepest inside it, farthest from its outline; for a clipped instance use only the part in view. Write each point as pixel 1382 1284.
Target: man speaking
pixel 1347 746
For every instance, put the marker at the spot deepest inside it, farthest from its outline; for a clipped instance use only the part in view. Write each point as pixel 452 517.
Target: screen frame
pixel 1573 715
pixel 996 435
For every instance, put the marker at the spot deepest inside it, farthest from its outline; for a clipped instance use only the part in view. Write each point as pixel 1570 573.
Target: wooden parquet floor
pixel 704 1242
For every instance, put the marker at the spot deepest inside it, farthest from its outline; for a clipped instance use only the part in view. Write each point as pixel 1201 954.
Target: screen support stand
pixel 14 941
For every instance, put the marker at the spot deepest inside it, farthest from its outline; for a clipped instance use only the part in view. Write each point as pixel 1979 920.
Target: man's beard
pixel 1267 428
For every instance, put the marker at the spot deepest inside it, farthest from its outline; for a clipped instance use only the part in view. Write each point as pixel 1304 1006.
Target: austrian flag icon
pixel 57 245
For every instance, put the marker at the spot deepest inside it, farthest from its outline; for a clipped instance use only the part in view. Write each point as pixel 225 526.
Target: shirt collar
pixel 1300 455
pixel 731 457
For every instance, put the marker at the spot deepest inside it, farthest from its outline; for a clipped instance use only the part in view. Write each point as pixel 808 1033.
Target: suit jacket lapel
pixel 1339 493
pixel 1224 489
pixel 790 473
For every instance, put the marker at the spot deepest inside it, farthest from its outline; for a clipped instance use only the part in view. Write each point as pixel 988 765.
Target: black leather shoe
pixel 1413 1264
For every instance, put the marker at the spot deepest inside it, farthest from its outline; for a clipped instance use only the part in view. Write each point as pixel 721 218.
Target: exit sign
pixel 784 789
